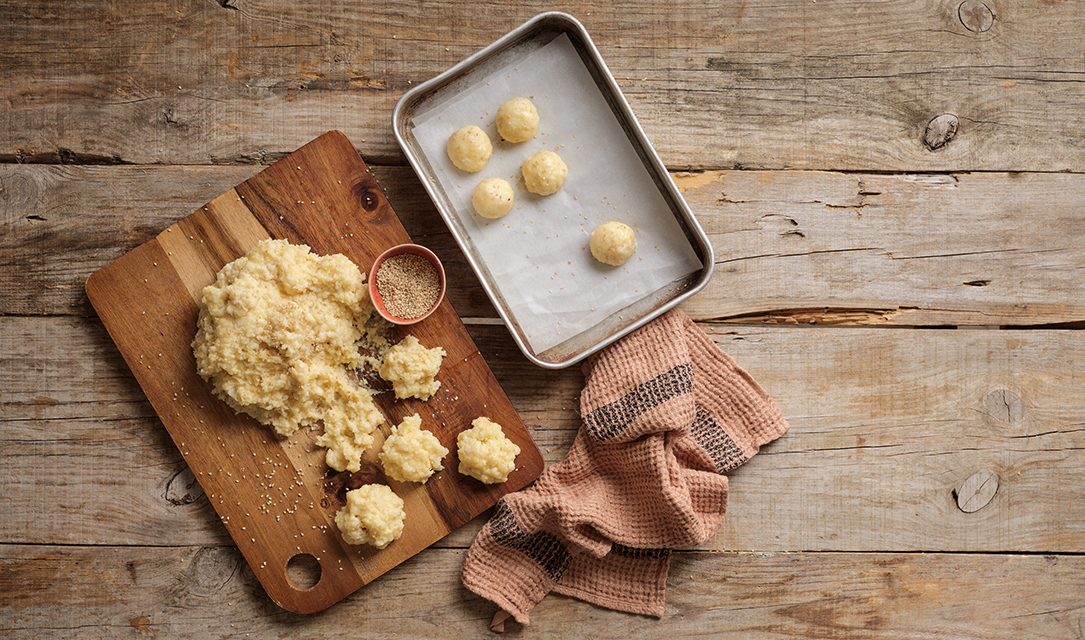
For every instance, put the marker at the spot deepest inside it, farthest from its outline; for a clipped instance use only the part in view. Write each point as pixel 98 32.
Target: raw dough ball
pixel 517 120
pixel 492 198
pixel 411 454
pixel 411 368
pixel 469 148
pixel 544 173
pixel 373 515
pixel 612 243
pixel 485 453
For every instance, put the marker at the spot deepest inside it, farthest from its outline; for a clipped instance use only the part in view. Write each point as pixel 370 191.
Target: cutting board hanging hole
pixel 303 570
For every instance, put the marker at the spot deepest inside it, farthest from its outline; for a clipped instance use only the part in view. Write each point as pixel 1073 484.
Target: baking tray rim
pixel 583 43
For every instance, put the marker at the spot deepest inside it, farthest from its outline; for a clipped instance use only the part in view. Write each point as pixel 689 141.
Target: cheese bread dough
pixel 373 515
pixel 544 173
pixel 612 243
pixel 517 120
pixel 492 198
pixel 469 148
pixel 411 454
pixel 276 333
pixel 485 453
pixel 411 368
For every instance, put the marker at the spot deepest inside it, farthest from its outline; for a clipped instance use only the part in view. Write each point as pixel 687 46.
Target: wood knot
pixel 142 624
pixel 182 488
pixel 975 492
pixel 211 568
pixel 975 16
pixel 368 197
pixel 940 130
pixel 1004 405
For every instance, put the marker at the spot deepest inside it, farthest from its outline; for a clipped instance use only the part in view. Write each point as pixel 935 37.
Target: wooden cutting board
pixel 276 496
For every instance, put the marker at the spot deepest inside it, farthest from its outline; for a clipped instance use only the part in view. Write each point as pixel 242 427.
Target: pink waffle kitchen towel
pixel 666 414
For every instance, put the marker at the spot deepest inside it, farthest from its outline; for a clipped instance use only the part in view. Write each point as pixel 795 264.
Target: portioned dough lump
pixel 412 369
pixel 492 198
pixel 517 120
pixel 373 515
pixel 612 243
pixel 544 173
pixel 485 453
pixel 276 334
pixel 469 148
pixel 412 454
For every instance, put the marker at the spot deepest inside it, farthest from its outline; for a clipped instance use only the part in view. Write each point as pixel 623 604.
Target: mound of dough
pixel 469 148
pixel 492 198
pixel 544 173
pixel 612 243
pixel 517 120
pixel 412 454
pixel 485 453
pixel 411 368
pixel 276 334
pixel 373 515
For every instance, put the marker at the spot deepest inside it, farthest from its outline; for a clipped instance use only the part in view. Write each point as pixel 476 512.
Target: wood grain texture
pixel 791 247
pixel 281 502
pixel 843 85
pixel 886 426
pixel 866 171
pixel 902 249
pixel 48 244
pixel 206 591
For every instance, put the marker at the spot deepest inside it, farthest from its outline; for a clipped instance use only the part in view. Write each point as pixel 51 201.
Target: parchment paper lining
pixel 538 254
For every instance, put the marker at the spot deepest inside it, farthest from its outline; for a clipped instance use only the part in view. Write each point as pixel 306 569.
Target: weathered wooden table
pixel 896 198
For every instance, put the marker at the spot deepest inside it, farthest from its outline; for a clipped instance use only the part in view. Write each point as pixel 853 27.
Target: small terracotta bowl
pixel 374 292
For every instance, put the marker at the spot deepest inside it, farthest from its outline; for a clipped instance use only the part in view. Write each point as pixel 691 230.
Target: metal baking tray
pixel 466 76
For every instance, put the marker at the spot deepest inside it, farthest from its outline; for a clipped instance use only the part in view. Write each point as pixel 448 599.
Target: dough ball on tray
pixel 517 120
pixel 544 173
pixel 493 198
pixel 612 243
pixel 469 148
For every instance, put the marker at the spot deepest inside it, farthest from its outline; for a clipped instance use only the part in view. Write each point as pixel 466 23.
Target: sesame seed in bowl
pixel 406 284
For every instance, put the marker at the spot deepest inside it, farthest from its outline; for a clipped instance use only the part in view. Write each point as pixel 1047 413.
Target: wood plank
pixel 888 425
pixel 779 85
pixel 60 223
pixel 791 247
pixel 902 249
pixel 886 428
pixel 282 502
pixel 209 592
